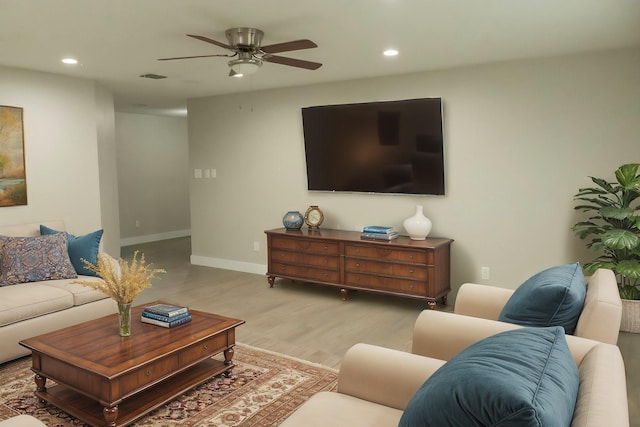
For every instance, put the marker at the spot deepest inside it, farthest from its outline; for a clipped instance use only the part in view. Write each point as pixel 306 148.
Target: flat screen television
pixel 375 147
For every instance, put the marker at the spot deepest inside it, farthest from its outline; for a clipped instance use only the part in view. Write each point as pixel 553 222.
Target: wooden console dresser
pixel 403 267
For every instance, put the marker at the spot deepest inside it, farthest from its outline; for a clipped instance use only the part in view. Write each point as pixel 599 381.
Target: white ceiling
pixel 118 40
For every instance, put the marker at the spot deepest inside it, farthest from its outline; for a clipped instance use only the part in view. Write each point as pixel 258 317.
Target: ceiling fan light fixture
pixel 245 66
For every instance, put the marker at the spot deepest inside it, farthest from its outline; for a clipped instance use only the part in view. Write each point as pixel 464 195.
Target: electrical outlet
pixel 484 273
pixel 256 246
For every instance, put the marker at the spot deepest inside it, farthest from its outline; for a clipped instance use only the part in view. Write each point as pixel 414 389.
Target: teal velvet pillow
pixel 80 247
pixel 553 297
pixel 520 378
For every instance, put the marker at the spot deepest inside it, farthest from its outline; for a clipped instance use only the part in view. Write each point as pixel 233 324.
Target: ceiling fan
pixel 245 43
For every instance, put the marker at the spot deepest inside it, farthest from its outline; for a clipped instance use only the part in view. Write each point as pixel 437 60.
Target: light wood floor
pixel 307 321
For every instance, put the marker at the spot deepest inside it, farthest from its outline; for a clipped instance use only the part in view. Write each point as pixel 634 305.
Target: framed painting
pixel 13 178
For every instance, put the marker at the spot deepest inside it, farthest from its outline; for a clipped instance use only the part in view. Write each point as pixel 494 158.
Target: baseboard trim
pixel 227 264
pixel 154 237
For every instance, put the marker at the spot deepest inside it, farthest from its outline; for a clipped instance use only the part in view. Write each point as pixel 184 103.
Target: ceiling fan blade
pixel 287 46
pixel 190 57
pixel 292 62
pixel 208 40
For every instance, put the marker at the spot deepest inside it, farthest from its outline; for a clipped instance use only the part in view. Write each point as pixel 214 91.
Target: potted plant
pixel 613 229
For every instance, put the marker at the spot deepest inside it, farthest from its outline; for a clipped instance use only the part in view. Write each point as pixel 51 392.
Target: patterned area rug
pixel 263 390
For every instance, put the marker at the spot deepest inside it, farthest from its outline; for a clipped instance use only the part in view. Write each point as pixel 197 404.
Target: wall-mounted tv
pixel 375 147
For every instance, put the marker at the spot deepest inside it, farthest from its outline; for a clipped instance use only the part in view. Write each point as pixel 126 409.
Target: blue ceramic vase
pixel 293 220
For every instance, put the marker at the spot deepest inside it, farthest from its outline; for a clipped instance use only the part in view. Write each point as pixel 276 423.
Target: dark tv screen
pixel 376 147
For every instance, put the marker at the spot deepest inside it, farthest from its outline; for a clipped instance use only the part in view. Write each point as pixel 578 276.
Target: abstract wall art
pixel 13 178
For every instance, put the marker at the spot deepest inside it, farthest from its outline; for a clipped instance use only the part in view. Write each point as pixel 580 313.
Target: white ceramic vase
pixel 418 226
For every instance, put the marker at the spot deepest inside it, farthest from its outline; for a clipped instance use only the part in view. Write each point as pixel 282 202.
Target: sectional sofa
pixel 34 308
pixel 376 384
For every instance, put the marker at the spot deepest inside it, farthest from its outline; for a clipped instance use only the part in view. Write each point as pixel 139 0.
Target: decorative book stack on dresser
pixel 378 232
pixel 165 315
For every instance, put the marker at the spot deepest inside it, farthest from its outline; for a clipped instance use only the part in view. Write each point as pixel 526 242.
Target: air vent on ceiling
pixel 153 76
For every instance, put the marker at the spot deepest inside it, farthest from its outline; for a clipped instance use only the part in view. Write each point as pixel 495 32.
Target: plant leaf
pixel 629 268
pixel 592 266
pixel 620 239
pixel 616 213
pixel 608 187
pixel 627 176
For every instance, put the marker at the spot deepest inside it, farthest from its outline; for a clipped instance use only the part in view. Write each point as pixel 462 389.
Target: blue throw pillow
pixel 519 378
pixel 80 247
pixel 553 297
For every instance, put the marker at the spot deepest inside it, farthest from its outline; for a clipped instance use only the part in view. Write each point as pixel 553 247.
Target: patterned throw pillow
pixel 32 259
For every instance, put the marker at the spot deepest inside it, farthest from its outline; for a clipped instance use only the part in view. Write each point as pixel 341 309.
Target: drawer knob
pixel 283 268
pixel 410 286
pixel 206 347
pixel 410 256
pixel 148 373
pixel 326 247
pixel 410 271
pixel 357 264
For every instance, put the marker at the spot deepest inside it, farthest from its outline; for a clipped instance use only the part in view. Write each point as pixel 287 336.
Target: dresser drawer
pixel 201 350
pixel 413 271
pixel 148 374
pixel 308 245
pixel 389 253
pixel 328 261
pixel 305 273
pixel 386 283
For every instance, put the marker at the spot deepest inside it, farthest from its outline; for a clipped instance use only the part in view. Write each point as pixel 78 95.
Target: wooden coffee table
pixel 104 379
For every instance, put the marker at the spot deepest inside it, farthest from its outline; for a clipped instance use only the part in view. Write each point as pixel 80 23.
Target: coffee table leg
pixel 228 355
pixel 41 385
pixel 110 414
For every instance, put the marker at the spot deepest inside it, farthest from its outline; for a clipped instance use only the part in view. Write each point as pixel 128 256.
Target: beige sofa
pixel 375 383
pixel 31 309
pixel 600 318
pixel 22 421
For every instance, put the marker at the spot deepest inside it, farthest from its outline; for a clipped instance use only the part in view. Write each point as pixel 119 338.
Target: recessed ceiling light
pixel 390 52
pixel 70 61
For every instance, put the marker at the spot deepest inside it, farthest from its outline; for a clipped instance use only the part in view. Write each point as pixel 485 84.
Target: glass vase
pixel 124 319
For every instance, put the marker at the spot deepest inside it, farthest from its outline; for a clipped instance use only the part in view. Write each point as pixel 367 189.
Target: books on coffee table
pixel 166 310
pixel 165 315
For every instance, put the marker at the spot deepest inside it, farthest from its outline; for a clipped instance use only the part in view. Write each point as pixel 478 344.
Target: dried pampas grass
pixel 122 281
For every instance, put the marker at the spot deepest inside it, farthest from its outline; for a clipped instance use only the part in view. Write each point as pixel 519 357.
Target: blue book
pixel 378 229
pixel 166 310
pixel 171 324
pixel 162 318
pixel 379 236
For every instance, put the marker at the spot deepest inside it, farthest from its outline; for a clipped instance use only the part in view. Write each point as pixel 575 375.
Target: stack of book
pixel 377 232
pixel 165 315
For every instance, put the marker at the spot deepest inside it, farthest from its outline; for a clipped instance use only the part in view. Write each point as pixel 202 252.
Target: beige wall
pixel 61 146
pixel 153 177
pixel 520 139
